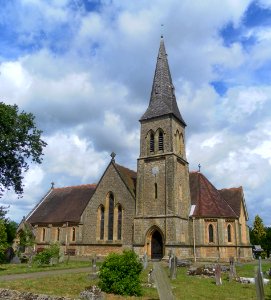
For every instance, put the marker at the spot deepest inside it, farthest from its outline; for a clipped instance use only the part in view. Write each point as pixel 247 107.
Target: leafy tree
pixel 119 274
pixel 11 228
pixel 258 232
pixel 20 143
pixel 3 240
pixel 26 237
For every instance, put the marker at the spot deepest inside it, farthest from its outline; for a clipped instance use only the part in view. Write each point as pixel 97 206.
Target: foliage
pixel 11 228
pixel 3 240
pixel 258 232
pixel 20 143
pixel 44 257
pixel 119 274
pixel 26 237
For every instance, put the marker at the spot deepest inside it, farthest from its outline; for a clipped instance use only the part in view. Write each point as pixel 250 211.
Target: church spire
pixel 163 100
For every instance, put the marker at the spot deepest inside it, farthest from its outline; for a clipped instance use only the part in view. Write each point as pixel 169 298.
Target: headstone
pixel 173 267
pixel 15 260
pixel 232 274
pixel 94 267
pixel 259 284
pixel 145 261
pixel 150 278
pixel 218 280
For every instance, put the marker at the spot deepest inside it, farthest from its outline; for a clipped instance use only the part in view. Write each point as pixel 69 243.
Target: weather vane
pixel 199 167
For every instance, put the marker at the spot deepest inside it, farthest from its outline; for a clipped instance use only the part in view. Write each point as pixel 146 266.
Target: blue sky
pixel 85 69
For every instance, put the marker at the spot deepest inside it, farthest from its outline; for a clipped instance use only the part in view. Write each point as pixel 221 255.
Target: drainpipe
pixel 194 239
pixel 66 238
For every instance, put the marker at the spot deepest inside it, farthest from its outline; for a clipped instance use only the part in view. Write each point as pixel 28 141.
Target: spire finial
pixel 113 155
pixel 199 167
pixel 52 185
pixel 162 27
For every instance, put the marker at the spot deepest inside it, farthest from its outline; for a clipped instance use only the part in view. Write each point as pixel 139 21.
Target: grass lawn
pixel 6 269
pixel 184 287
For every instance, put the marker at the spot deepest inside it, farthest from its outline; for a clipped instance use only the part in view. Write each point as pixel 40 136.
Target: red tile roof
pixel 208 200
pixel 62 205
pixel 234 197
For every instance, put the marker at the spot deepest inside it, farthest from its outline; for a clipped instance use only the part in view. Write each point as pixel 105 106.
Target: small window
pixel 155 190
pixel 119 222
pixel 58 234
pixel 102 223
pixel 43 234
pixel 73 234
pixel 229 233
pixel 151 142
pixel 211 233
pixel 161 141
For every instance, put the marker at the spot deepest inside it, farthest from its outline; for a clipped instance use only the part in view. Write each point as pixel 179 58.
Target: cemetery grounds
pixel 184 286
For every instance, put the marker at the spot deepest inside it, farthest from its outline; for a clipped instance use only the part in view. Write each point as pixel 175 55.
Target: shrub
pixel 44 257
pixel 119 274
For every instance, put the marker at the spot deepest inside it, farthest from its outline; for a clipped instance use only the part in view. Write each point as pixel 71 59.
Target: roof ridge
pixel 76 186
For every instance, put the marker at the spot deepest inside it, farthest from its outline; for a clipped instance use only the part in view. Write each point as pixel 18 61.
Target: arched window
pixel 155 190
pixel 119 222
pixel 58 234
pixel 211 233
pixel 101 223
pixel 43 234
pixel 111 217
pixel 161 141
pixel 73 234
pixel 229 233
pixel 151 142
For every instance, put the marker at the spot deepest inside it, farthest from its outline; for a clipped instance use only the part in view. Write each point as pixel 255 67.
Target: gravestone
pixel 218 279
pixel 232 274
pixel 150 277
pixel 145 261
pixel 15 260
pixel 173 267
pixel 259 284
pixel 93 264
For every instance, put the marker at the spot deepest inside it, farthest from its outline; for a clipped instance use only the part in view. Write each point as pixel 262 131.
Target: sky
pixel 85 70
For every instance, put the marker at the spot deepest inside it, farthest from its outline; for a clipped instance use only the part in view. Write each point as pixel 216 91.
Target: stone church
pixel 158 209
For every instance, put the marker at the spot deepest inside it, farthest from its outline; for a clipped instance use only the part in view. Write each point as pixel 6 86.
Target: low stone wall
pixel 6 294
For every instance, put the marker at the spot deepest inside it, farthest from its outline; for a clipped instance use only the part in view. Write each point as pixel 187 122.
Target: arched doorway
pixel 157 245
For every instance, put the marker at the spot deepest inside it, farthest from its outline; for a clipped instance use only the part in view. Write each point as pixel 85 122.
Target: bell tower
pixel 163 195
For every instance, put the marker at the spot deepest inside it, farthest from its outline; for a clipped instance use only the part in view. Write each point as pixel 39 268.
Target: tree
pixel 20 143
pixel 3 240
pixel 258 232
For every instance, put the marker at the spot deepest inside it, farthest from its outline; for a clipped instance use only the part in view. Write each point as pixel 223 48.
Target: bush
pixel 119 274
pixel 44 257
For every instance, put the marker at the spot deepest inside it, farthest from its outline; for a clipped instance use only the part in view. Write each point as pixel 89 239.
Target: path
pixel 44 274
pixel 162 282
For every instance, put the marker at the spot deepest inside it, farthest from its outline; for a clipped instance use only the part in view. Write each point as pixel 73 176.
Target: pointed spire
pixel 163 100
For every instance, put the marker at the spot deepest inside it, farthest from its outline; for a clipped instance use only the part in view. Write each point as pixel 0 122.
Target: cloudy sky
pixel 84 68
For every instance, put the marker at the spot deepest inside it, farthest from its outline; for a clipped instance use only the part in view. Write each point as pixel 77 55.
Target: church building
pixel 160 208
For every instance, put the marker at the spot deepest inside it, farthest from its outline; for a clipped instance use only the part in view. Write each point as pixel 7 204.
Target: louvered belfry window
pixel 161 141
pixel 152 142
pixel 111 217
